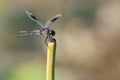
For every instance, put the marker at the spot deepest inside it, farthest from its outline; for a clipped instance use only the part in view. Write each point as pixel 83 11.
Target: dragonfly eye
pixel 52 32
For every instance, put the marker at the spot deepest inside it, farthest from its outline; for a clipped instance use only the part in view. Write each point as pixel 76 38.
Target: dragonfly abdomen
pixel 27 33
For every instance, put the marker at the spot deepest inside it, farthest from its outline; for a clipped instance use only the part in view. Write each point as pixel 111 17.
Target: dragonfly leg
pixel 46 40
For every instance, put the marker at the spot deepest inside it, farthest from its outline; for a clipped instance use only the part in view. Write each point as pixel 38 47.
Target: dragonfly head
pixel 52 32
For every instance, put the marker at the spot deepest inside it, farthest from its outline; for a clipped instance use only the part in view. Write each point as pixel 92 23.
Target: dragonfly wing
pixel 34 18
pixel 27 33
pixel 50 21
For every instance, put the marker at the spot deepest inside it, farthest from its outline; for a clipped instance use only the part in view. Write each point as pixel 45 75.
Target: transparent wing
pixel 50 21
pixel 34 18
pixel 27 33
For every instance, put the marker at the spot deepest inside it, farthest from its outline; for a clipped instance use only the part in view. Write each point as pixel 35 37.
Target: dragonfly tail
pixel 26 34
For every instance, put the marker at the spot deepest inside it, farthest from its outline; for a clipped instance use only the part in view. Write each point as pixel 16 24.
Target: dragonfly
pixel 46 31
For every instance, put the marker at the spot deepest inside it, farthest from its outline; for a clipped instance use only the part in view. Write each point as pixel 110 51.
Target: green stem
pixel 50 71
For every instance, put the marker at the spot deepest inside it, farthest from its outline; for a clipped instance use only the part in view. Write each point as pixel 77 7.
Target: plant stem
pixel 50 70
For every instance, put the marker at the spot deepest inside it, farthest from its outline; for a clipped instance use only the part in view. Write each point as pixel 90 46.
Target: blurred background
pixel 87 34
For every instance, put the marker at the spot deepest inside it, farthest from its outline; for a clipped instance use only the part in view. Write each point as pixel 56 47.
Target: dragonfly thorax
pixel 47 31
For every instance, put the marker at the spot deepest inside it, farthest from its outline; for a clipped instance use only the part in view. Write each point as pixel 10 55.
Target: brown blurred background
pixel 88 39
